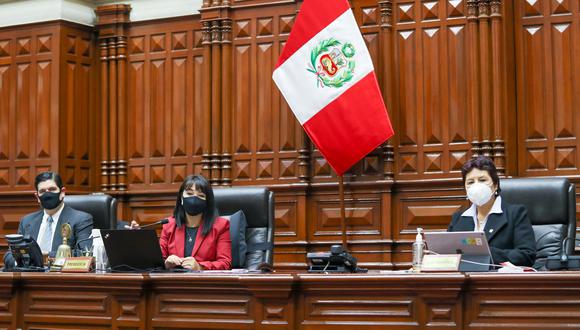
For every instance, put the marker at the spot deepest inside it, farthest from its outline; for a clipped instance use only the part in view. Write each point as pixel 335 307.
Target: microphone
pixel 86 239
pixel 85 226
pixel 160 222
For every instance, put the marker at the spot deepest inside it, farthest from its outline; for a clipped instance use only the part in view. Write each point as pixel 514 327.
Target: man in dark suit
pixel 45 224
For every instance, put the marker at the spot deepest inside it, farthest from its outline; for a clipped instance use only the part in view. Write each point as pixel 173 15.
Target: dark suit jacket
pixel 510 234
pixel 81 225
pixel 213 251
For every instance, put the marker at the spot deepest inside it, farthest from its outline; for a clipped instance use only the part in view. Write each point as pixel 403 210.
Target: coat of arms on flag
pixel 326 75
pixel 332 62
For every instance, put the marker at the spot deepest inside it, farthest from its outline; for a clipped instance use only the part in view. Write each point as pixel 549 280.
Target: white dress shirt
pixel 472 212
pixel 44 224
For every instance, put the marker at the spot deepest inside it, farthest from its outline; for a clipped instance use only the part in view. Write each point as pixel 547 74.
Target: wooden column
pixel 206 44
pixel 122 127
pixel 473 72
pixel 388 70
pixel 112 85
pixel 217 43
pixel 104 93
pixel 227 116
pixel 112 22
pixel 486 118
pixel 499 86
pixel 216 95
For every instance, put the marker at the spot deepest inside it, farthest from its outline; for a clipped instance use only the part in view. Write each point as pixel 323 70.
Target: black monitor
pixel 25 252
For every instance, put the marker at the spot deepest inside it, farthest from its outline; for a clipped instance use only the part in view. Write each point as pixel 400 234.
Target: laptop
pixel 132 250
pixel 472 245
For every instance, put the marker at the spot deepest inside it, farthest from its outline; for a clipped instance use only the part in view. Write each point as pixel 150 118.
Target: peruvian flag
pixel 327 77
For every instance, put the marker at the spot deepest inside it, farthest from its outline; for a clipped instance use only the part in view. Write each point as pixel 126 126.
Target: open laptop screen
pixel 132 250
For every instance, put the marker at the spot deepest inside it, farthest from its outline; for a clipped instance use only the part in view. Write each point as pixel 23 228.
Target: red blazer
pixel 214 251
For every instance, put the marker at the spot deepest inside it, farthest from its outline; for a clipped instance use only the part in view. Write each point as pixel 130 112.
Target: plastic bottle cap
pixel 419 238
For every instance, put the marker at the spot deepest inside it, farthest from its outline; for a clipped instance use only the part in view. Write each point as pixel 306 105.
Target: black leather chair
pixel 258 207
pixel 102 207
pixel 551 204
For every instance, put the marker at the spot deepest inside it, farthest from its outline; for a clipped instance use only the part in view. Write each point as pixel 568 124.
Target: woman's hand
pixel 172 261
pixel 134 225
pixel 190 263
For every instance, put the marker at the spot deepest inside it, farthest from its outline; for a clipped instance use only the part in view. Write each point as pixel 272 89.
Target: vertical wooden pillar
pixel 112 22
pixel 216 95
pixel 217 43
pixel 112 84
pixel 206 44
pixel 104 59
pixel 485 76
pixel 227 117
pixel 473 73
pixel 499 86
pixel 388 69
pixel 122 112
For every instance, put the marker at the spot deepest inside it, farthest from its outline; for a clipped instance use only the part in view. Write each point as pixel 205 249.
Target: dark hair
pixel 483 164
pixel 209 215
pixel 45 176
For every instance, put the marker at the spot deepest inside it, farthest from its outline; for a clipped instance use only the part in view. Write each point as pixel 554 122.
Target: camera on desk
pixel 335 261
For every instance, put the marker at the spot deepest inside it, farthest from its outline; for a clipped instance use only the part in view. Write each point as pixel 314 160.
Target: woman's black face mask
pixel 193 205
pixel 50 200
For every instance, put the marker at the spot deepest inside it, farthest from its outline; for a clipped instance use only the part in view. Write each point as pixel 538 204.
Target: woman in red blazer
pixel 195 237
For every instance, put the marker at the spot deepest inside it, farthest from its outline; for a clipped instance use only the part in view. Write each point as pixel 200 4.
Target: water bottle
pixel 99 252
pixel 418 249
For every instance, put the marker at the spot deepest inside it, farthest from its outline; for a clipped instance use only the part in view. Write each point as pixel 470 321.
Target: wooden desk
pixel 290 301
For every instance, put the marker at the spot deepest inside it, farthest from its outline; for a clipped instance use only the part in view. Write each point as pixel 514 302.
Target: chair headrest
pixel 98 205
pixel 253 201
pixel 545 198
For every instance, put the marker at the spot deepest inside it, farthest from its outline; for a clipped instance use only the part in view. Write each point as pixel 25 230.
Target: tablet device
pixel 472 245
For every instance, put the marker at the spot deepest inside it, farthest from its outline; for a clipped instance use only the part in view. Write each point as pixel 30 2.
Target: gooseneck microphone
pixel 86 239
pixel 160 222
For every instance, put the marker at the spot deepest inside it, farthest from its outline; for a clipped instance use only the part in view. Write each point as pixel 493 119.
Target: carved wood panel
pixel 29 67
pixel 548 68
pixel 165 106
pixel 266 138
pixel 431 47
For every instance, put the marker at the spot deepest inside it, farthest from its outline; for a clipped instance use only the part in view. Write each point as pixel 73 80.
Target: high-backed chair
pixel 551 204
pixel 258 207
pixel 102 207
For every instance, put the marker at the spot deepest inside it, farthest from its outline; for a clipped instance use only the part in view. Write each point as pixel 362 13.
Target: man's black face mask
pixel 50 200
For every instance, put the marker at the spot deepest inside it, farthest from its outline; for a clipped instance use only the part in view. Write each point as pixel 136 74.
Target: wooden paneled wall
pixel 47 107
pixel 131 108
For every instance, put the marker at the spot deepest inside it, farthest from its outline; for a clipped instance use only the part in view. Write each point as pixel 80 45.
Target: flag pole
pixel 342 212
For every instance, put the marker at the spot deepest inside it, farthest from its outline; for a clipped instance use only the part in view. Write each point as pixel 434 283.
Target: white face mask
pixel 479 193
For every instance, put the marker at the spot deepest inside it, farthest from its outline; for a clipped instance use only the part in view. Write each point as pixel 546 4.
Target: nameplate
pixel 440 263
pixel 77 265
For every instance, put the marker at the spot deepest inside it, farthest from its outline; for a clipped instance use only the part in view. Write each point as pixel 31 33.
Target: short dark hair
pixel 45 176
pixel 210 213
pixel 481 163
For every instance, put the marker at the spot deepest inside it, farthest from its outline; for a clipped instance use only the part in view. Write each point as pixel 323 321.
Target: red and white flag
pixel 326 75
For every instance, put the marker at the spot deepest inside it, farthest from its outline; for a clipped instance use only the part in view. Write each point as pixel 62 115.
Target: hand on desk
pixel 174 261
pixel 190 263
